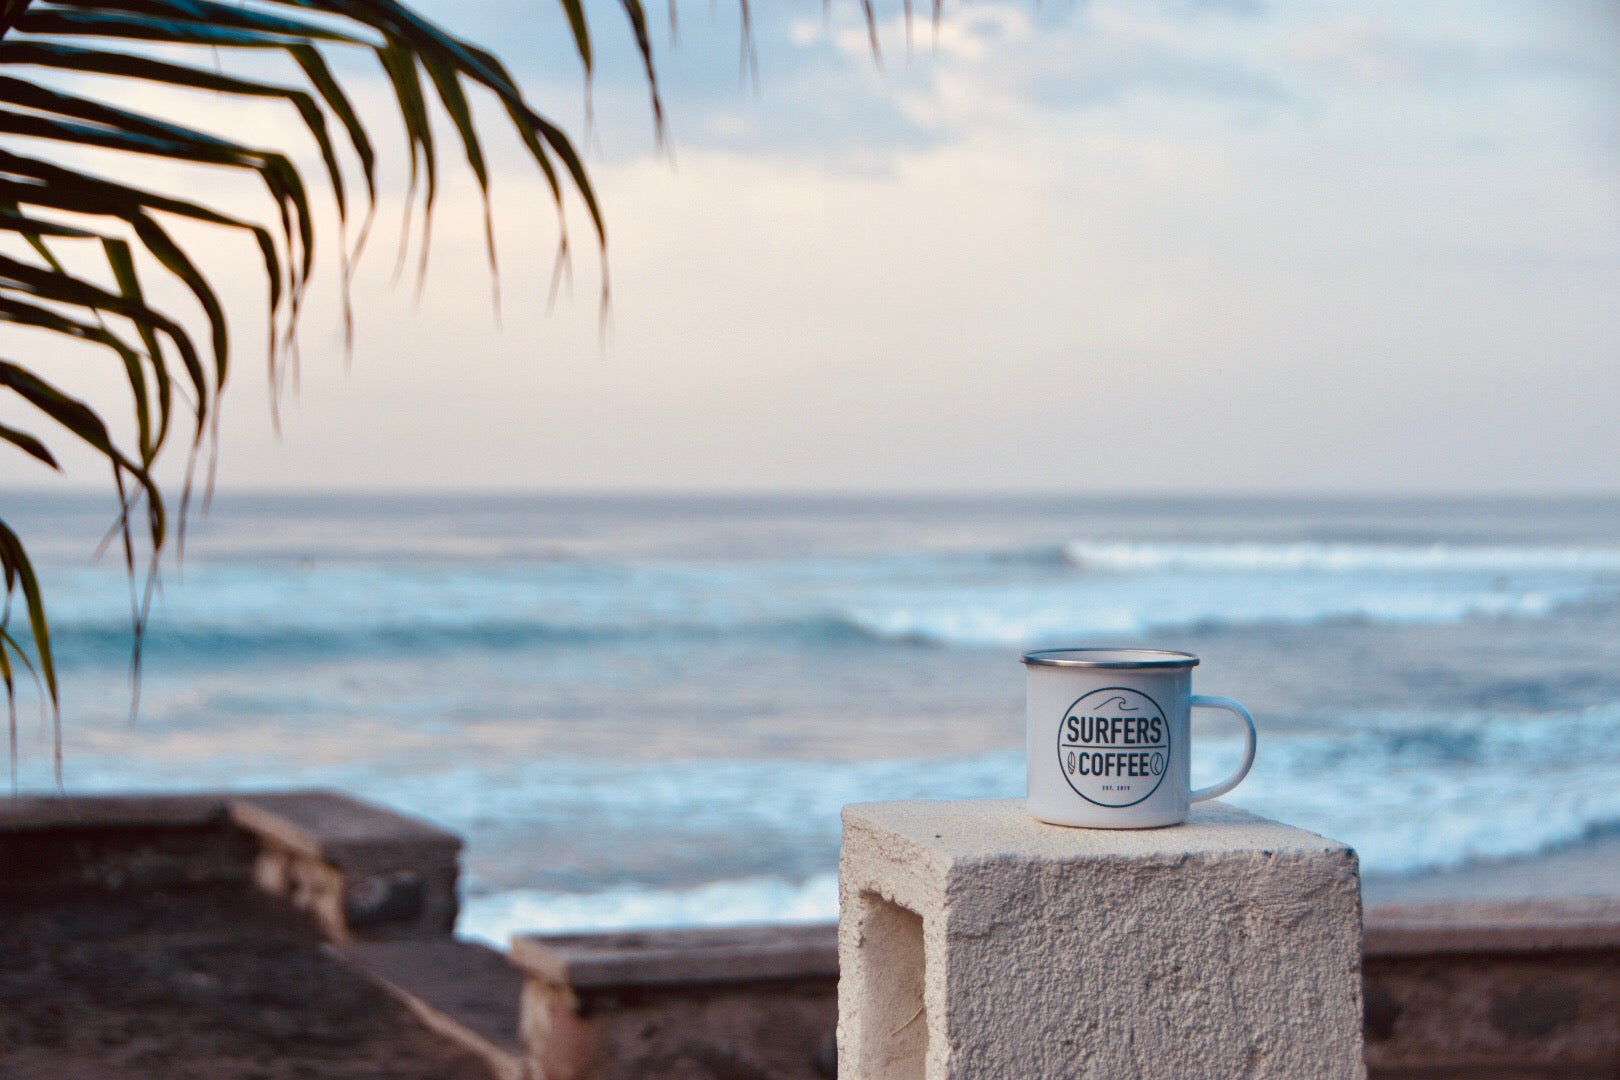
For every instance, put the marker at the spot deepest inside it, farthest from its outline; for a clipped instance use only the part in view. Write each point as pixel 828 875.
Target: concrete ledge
pixel 688 957
pixel 1492 926
pixel 25 812
pixel 361 870
pixel 748 1002
pixel 342 830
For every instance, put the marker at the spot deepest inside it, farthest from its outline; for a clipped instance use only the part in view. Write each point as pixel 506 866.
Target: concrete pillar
pixel 976 942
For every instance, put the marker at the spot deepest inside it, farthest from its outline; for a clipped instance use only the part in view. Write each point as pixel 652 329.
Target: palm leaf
pixel 43 283
pixel 638 25
pixel 12 220
pixel 29 445
pixel 119 261
pixel 102 62
pixel 50 204
pixel 18 575
pixel 36 183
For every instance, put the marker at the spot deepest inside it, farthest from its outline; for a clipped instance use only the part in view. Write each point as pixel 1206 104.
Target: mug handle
pixel 1211 701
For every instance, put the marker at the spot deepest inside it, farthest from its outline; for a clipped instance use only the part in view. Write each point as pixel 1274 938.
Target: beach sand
pixel 1586 868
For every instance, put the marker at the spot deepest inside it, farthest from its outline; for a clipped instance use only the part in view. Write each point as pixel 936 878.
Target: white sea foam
pixel 494 918
pixel 1338 558
pixel 1090 608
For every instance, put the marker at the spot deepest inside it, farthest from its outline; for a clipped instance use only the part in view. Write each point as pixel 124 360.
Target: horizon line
pixel 914 493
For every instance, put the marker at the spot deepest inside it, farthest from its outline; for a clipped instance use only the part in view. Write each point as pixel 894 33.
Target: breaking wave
pixel 1338 558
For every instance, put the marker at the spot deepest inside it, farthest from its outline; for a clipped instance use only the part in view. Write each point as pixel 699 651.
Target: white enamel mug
pixel 1109 737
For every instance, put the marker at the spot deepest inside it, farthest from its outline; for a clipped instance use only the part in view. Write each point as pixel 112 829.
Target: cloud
pixel 986 65
pixel 1362 51
pixel 1192 9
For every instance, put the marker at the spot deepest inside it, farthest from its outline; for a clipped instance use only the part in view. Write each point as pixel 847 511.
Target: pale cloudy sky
pixel 1127 244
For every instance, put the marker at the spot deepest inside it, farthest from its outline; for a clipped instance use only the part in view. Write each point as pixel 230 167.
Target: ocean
pixel 648 710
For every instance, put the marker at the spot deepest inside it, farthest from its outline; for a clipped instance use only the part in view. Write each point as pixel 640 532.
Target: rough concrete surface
pixel 1226 947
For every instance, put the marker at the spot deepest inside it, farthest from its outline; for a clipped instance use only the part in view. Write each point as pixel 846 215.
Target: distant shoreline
pixel 68 491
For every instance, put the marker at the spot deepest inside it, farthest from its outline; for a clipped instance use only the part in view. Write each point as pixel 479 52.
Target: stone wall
pixel 360 870
pixel 118 842
pixel 1504 989
pixel 740 1003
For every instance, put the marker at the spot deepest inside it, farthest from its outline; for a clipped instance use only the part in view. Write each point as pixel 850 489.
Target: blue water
pixel 649 710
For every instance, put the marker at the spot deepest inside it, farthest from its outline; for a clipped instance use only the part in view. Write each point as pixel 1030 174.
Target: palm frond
pixel 99 45
pixel 51 204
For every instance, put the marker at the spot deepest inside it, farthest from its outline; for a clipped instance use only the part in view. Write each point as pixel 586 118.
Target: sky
pixel 1125 245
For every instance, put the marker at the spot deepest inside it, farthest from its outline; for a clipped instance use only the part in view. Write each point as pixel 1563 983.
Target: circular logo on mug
pixel 1114 746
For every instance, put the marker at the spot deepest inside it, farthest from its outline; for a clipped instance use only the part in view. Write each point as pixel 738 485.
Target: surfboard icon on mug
pixel 1108 735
